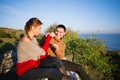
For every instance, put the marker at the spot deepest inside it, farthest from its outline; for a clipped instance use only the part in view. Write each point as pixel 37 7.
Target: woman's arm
pixel 47 41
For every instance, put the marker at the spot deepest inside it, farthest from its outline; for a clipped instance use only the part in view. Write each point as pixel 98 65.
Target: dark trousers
pixel 48 69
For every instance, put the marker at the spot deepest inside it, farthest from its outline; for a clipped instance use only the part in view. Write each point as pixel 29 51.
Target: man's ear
pixel 64 33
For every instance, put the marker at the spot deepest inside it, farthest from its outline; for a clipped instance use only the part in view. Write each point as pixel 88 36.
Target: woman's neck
pixel 30 35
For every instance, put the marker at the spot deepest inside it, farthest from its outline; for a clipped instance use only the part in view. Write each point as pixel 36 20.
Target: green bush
pixel 1 41
pixel 3 34
pixel 51 28
pixel 7 47
pixel 91 54
pixel 70 35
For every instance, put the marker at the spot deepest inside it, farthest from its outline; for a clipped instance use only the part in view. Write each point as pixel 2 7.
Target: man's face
pixel 59 33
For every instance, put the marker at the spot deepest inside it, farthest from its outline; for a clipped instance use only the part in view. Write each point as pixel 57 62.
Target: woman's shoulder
pixel 25 39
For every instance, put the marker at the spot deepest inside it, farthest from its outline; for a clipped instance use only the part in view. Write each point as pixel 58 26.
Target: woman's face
pixel 59 33
pixel 36 30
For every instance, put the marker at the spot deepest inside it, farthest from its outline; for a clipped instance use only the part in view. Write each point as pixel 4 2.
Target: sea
pixel 112 41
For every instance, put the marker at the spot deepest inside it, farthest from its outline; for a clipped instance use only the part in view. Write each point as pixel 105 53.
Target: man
pixel 57 46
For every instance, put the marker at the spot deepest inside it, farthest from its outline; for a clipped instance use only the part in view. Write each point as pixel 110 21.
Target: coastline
pixel 111 41
pixel 114 51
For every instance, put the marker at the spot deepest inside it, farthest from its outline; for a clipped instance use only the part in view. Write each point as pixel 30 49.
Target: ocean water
pixel 112 41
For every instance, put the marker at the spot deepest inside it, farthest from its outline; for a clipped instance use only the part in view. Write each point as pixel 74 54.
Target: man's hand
pixel 55 46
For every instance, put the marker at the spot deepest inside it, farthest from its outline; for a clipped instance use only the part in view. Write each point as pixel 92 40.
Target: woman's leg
pixel 35 74
pixel 51 62
pixel 54 62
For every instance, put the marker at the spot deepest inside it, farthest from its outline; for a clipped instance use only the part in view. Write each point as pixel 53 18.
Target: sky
pixel 85 16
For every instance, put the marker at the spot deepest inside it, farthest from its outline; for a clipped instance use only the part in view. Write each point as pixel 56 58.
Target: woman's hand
pixel 52 34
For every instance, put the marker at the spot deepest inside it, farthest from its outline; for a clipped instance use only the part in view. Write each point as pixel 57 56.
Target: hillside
pixel 9 39
pixel 10 33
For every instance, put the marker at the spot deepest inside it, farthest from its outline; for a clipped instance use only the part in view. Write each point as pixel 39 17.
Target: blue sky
pixel 87 16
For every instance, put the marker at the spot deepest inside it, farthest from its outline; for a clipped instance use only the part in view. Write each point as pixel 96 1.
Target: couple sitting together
pixel 37 62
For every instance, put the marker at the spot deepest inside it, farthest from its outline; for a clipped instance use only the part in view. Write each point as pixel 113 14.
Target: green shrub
pixel 7 47
pixel 51 28
pixel 3 34
pixel 91 54
pixel 1 41
pixel 70 35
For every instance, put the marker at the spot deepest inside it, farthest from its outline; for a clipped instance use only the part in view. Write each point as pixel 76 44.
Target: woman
pixel 32 61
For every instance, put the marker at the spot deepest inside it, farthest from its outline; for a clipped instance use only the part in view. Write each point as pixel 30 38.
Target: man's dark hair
pixel 61 26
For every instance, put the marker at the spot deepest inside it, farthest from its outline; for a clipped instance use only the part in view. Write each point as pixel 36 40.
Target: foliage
pixel 3 34
pixel 10 33
pixel 1 41
pixel 51 28
pixel 70 35
pixel 91 54
pixel 8 39
pixel 7 47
